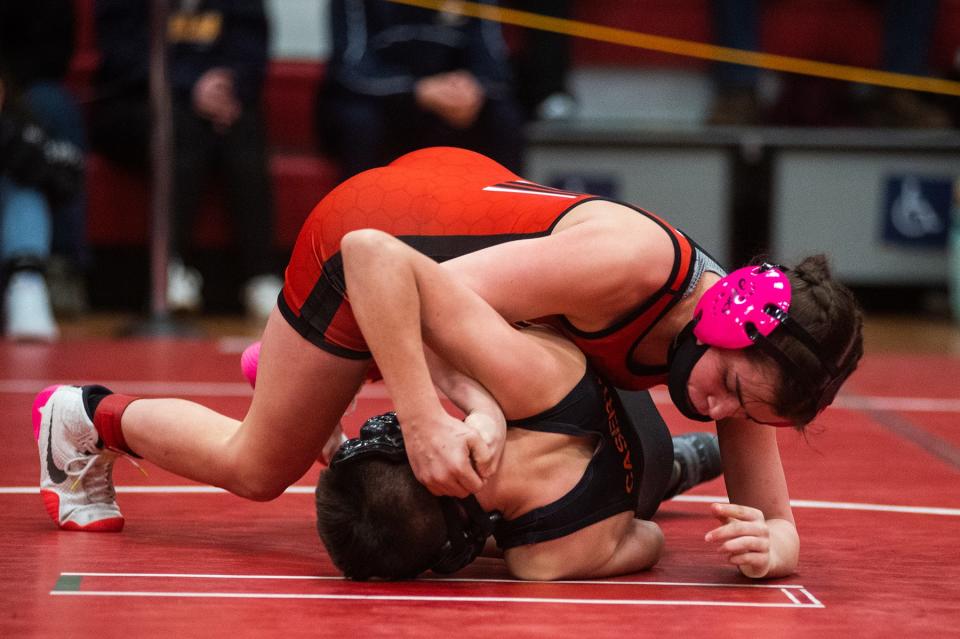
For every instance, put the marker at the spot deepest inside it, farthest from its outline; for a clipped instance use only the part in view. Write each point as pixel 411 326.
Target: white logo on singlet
pixel 529 188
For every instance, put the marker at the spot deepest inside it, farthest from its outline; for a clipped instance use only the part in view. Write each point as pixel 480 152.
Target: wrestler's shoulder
pixel 617 217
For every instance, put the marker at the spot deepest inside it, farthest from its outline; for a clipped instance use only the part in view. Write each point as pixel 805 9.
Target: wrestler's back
pixel 444 192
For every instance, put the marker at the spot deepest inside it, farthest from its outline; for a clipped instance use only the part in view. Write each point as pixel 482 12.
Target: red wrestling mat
pixel 876 501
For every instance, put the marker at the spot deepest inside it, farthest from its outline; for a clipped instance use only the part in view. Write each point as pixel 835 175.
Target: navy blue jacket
pixel 381 49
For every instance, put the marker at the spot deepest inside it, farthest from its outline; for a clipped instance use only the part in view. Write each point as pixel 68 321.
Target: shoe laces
pixel 85 440
pixel 98 484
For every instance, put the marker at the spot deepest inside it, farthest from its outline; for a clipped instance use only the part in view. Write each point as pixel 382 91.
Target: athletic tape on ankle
pixel 107 421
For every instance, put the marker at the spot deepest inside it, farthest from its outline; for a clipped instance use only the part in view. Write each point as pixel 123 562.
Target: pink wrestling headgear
pixel 741 310
pixel 741 300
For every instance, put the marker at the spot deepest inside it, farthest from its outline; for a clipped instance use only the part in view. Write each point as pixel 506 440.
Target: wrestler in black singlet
pixel 629 470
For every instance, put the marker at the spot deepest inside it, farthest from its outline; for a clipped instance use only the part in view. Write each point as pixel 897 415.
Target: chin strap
pixel 468 527
pixel 684 355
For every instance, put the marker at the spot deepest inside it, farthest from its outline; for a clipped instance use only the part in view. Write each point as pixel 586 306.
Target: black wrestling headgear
pixel 468 525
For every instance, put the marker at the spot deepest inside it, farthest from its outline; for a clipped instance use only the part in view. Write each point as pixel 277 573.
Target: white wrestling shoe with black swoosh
pixel 76 476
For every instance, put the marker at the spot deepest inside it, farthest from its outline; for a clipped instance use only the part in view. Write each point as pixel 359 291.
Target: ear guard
pixel 468 525
pixel 737 308
pixel 380 436
pixel 739 311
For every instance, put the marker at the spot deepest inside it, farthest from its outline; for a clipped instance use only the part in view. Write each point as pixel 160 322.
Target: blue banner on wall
pixel 916 211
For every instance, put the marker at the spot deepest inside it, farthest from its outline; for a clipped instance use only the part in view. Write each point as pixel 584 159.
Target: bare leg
pixel 300 396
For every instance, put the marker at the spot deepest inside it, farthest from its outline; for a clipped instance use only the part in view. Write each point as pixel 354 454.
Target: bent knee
pixel 260 490
pixel 366 241
pixel 260 484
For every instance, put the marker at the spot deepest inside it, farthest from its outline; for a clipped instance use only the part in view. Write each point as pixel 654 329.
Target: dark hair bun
pixel 815 270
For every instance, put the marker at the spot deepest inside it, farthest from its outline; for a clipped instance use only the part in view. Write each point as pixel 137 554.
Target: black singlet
pixel 611 482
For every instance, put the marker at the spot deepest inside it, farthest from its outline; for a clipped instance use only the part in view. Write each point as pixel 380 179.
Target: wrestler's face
pixel 725 383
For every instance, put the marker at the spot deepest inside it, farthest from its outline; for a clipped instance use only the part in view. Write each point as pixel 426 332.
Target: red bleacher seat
pixel 119 202
pixel 839 31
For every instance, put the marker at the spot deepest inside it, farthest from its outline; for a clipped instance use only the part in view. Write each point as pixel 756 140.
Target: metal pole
pixel 160 323
pixel 162 158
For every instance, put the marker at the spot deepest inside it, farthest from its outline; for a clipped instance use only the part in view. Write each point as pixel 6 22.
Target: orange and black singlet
pixel 447 202
pixel 610 350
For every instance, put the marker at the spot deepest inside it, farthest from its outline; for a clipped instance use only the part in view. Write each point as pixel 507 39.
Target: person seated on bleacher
pixel 541 63
pixel 37 44
pixel 217 52
pixel 908 27
pixel 36 173
pixel 401 78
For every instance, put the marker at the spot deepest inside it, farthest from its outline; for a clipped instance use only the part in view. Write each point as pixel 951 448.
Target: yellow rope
pixel 689 48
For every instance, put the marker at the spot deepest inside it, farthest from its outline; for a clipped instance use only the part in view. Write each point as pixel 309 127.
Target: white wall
pixel 832 201
pixel 299 29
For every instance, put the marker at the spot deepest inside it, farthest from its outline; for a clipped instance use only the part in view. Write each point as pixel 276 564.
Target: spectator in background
pixel 35 172
pixel 217 52
pixel 37 44
pixel 542 64
pixel 401 78
pixel 907 34
pixel 908 27
pixel 736 24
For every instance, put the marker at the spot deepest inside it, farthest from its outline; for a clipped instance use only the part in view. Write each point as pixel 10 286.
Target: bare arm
pixel 481 409
pixel 618 545
pixel 403 300
pixel 592 272
pixel 466 393
pixel 758 533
